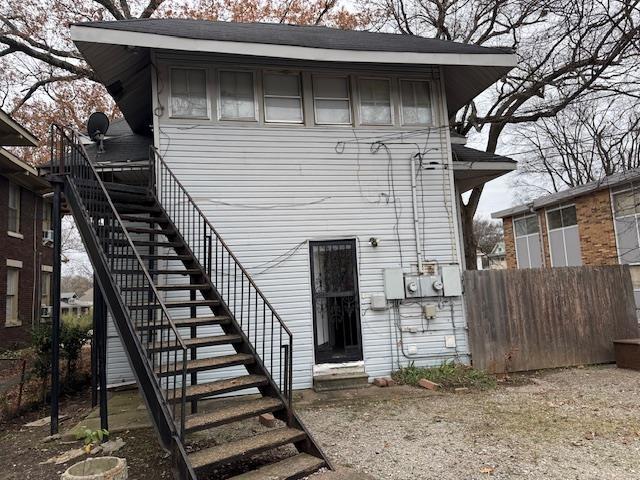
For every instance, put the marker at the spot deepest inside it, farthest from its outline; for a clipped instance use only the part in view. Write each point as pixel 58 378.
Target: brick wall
pixel 509 243
pixel 595 224
pixel 28 250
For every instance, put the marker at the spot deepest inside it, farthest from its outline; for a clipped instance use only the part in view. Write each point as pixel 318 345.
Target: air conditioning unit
pixel 47 237
pixel 45 312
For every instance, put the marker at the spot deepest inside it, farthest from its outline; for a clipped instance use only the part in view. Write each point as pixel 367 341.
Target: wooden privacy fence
pixel 544 318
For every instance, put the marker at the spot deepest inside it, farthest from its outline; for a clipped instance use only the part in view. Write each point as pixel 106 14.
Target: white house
pixel 324 159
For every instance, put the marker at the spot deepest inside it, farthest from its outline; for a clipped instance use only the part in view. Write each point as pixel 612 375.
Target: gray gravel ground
pixel 581 423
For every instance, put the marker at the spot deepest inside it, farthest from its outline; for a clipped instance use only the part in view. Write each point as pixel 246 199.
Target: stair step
pixel 172 287
pixel 123 187
pixel 298 466
pixel 219 387
pixel 149 256
pixel 211 363
pixel 128 198
pixel 153 243
pixel 144 219
pixel 192 303
pixel 195 342
pixel 183 271
pixel 193 322
pixel 151 231
pixel 245 447
pixel 233 413
pixel 135 207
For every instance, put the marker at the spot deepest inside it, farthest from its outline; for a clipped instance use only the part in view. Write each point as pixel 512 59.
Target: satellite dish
pixel 97 127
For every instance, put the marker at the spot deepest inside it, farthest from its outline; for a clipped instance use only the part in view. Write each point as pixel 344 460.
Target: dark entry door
pixel 336 306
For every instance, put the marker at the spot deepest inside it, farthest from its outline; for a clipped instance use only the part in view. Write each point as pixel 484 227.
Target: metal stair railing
pixel 145 311
pixel 265 331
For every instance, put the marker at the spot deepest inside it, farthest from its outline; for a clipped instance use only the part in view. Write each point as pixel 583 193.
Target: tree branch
pixel 151 8
pixel 42 83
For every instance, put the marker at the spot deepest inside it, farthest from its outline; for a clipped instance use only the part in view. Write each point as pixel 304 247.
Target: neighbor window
pixel 189 93
pixel 416 102
pixel 527 241
pixel 627 209
pixel 282 97
pixel 14 208
pixel 331 100
pixel 375 101
pixel 564 240
pixel 45 289
pixel 237 96
pixel 46 216
pixel 13 287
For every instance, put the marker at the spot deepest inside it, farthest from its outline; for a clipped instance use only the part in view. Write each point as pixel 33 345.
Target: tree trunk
pixel 467 212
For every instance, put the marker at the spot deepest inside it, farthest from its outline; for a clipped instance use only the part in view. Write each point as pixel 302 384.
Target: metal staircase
pixel 192 321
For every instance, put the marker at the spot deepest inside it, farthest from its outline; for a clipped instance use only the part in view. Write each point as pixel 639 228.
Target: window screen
pixel 188 93
pixel 237 100
pixel 45 289
pixel 416 102
pixel 13 287
pixel 331 100
pixel 564 239
pixel 528 250
pixel 14 208
pixel 375 102
pixel 282 98
pixel 626 208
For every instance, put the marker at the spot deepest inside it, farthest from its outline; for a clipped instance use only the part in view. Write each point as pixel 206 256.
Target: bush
pixel 74 333
pixel 449 375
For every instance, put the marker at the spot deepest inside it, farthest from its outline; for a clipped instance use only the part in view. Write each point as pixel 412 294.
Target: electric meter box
pixel 393 283
pixel 422 286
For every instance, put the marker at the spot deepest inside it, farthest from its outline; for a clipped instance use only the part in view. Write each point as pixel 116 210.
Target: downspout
pixel 416 219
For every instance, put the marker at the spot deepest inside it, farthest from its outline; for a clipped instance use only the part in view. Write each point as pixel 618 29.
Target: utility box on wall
pixel 394 283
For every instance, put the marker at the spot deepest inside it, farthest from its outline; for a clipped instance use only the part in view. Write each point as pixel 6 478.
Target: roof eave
pixel 83 33
pixel 19 136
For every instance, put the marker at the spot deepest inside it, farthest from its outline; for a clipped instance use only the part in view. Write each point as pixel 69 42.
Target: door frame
pixel 354 243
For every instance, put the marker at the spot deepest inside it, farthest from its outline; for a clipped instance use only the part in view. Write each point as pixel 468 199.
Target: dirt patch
pixel 569 424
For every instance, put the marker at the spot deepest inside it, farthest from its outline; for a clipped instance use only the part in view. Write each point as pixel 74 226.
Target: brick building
pixel 25 249
pixel 593 224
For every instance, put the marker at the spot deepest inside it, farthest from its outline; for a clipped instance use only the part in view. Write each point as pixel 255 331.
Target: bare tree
pixel 584 143
pixel 487 233
pixel 568 51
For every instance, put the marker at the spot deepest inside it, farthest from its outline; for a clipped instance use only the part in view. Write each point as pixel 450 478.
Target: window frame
pixel 563 229
pixel 18 209
pixel 636 215
pixel 349 98
pixel 46 293
pixel 528 235
pixel 206 93
pixel 256 102
pixel 401 103
pixel 15 299
pixel 298 75
pixel 389 80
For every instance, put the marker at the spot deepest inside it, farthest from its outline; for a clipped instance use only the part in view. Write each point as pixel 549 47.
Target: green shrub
pixel 449 375
pixel 74 333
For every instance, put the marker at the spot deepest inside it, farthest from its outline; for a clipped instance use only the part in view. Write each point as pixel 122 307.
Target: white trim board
pixel 88 34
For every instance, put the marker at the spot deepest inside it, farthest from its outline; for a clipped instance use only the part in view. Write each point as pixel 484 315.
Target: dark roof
pixel 613 180
pixel 293 35
pixel 121 145
pixel 465 154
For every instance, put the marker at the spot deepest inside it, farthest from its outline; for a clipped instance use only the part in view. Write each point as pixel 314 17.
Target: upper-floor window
pixel 237 95
pixel 45 289
pixel 282 97
pixel 528 252
pixel 375 101
pixel 12 318
pixel 331 100
pixel 626 208
pixel 416 102
pixel 47 212
pixel 189 93
pixel 564 239
pixel 14 208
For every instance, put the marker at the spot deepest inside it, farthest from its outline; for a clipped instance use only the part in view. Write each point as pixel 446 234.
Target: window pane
pixel 572 243
pixel 331 87
pixel 569 216
pixel 627 233
pixel 416 102
pixel 188 93
pixel 12 298
pixel 554 219
pixel 333 111
pixel 280 109
pixel 624 204
pixel 520 225
pixel 281 84
pixel 375 102
pixel 534 251
pixel 14 208
pixel 522 248
pixel 532 224
pixel 556 243
pixel 236 96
